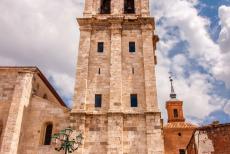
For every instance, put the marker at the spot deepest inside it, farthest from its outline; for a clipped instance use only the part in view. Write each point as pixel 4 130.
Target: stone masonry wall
pixel 20 99
pixel 211 140
pixel 7 84
pixel 37 114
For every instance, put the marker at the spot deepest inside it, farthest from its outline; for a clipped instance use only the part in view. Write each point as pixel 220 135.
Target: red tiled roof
pixel 179 125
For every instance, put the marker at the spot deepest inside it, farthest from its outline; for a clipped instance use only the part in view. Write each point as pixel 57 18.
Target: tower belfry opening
pixel 129 6
pixel 105 7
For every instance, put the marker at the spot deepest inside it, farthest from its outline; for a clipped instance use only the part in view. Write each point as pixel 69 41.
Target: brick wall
pixel 213 139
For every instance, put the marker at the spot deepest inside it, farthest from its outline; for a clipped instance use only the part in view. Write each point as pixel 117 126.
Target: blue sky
pixel 194 44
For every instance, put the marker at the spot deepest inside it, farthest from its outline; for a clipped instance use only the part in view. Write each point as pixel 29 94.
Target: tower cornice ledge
pixel 112 20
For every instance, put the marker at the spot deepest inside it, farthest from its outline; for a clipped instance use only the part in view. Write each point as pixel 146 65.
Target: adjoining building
pixel 177 132
pixel 211 139
pixel 30 111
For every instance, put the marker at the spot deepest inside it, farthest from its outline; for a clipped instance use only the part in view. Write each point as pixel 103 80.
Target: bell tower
pixel 174 107
pixel 115 99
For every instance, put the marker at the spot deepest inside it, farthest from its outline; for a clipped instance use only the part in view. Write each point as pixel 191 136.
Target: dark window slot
pixel 100 47
pixel 98 100
pixel 132 47
pixel 175 113
pixel 48 134
pixel 134 101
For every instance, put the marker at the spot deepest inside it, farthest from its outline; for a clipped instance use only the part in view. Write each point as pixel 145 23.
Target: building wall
pixel 36 115
pixel 211 139
pixel 24 111
pixel 99 83
pixel 132 82
pixel 7 84
pixel 176 139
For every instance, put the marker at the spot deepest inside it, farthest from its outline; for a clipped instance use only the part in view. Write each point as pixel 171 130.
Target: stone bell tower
pixel 115 102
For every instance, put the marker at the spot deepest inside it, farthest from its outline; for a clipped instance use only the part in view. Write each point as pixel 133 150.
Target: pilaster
pixel 20 99
pixel 115 133
pixel 88 8
pixel 115 69
pixel 145 8
pixel 80 98
pixel 149 69
pixel 155 142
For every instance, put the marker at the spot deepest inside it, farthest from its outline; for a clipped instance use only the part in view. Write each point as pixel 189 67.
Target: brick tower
pixel 177 132
pixel 115 102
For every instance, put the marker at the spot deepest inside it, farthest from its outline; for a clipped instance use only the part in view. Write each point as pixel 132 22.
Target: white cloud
pixel 44 33
pixel 194 88
pixel 41 33
pixel 222 70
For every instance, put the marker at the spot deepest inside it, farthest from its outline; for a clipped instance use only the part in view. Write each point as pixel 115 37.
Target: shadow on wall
pixel 1 127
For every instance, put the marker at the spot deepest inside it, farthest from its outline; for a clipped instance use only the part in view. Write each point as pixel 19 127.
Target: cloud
pixel 42 33
pixel 197 67
pixel 222 70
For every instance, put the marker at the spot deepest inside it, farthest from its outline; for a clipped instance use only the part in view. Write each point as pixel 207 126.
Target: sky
pixel 194 45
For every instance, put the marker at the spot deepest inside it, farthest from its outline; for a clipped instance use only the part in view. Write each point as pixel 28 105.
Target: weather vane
pixel 172 94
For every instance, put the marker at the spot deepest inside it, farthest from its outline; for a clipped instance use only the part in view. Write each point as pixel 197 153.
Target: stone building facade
pixel 115 103
pixel 28 105
pixel 211 139
pixel 177 132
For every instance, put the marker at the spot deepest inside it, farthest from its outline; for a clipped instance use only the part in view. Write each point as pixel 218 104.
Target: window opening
pixel 48 134
pixel 132 47
pixel 98 100
pixel 182 151
pixel 175 113
pixel 100 47
pixel 105 6
pixel 129 6
pixel 134 101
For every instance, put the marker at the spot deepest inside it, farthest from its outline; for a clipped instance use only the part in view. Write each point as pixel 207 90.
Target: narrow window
pixel 132 47
pixel 48 134
pixel 182 151
pixel 133 98
pixel 175 113
pixel 129 7
pixel 99 71
pixel 133 70
pixel 105 6
pixel 100 47
pixel 98 100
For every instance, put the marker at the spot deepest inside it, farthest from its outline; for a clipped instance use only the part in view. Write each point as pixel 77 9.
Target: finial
pixel 173 94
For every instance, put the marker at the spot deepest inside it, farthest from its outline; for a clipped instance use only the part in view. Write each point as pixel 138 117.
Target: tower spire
pixel 172 94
